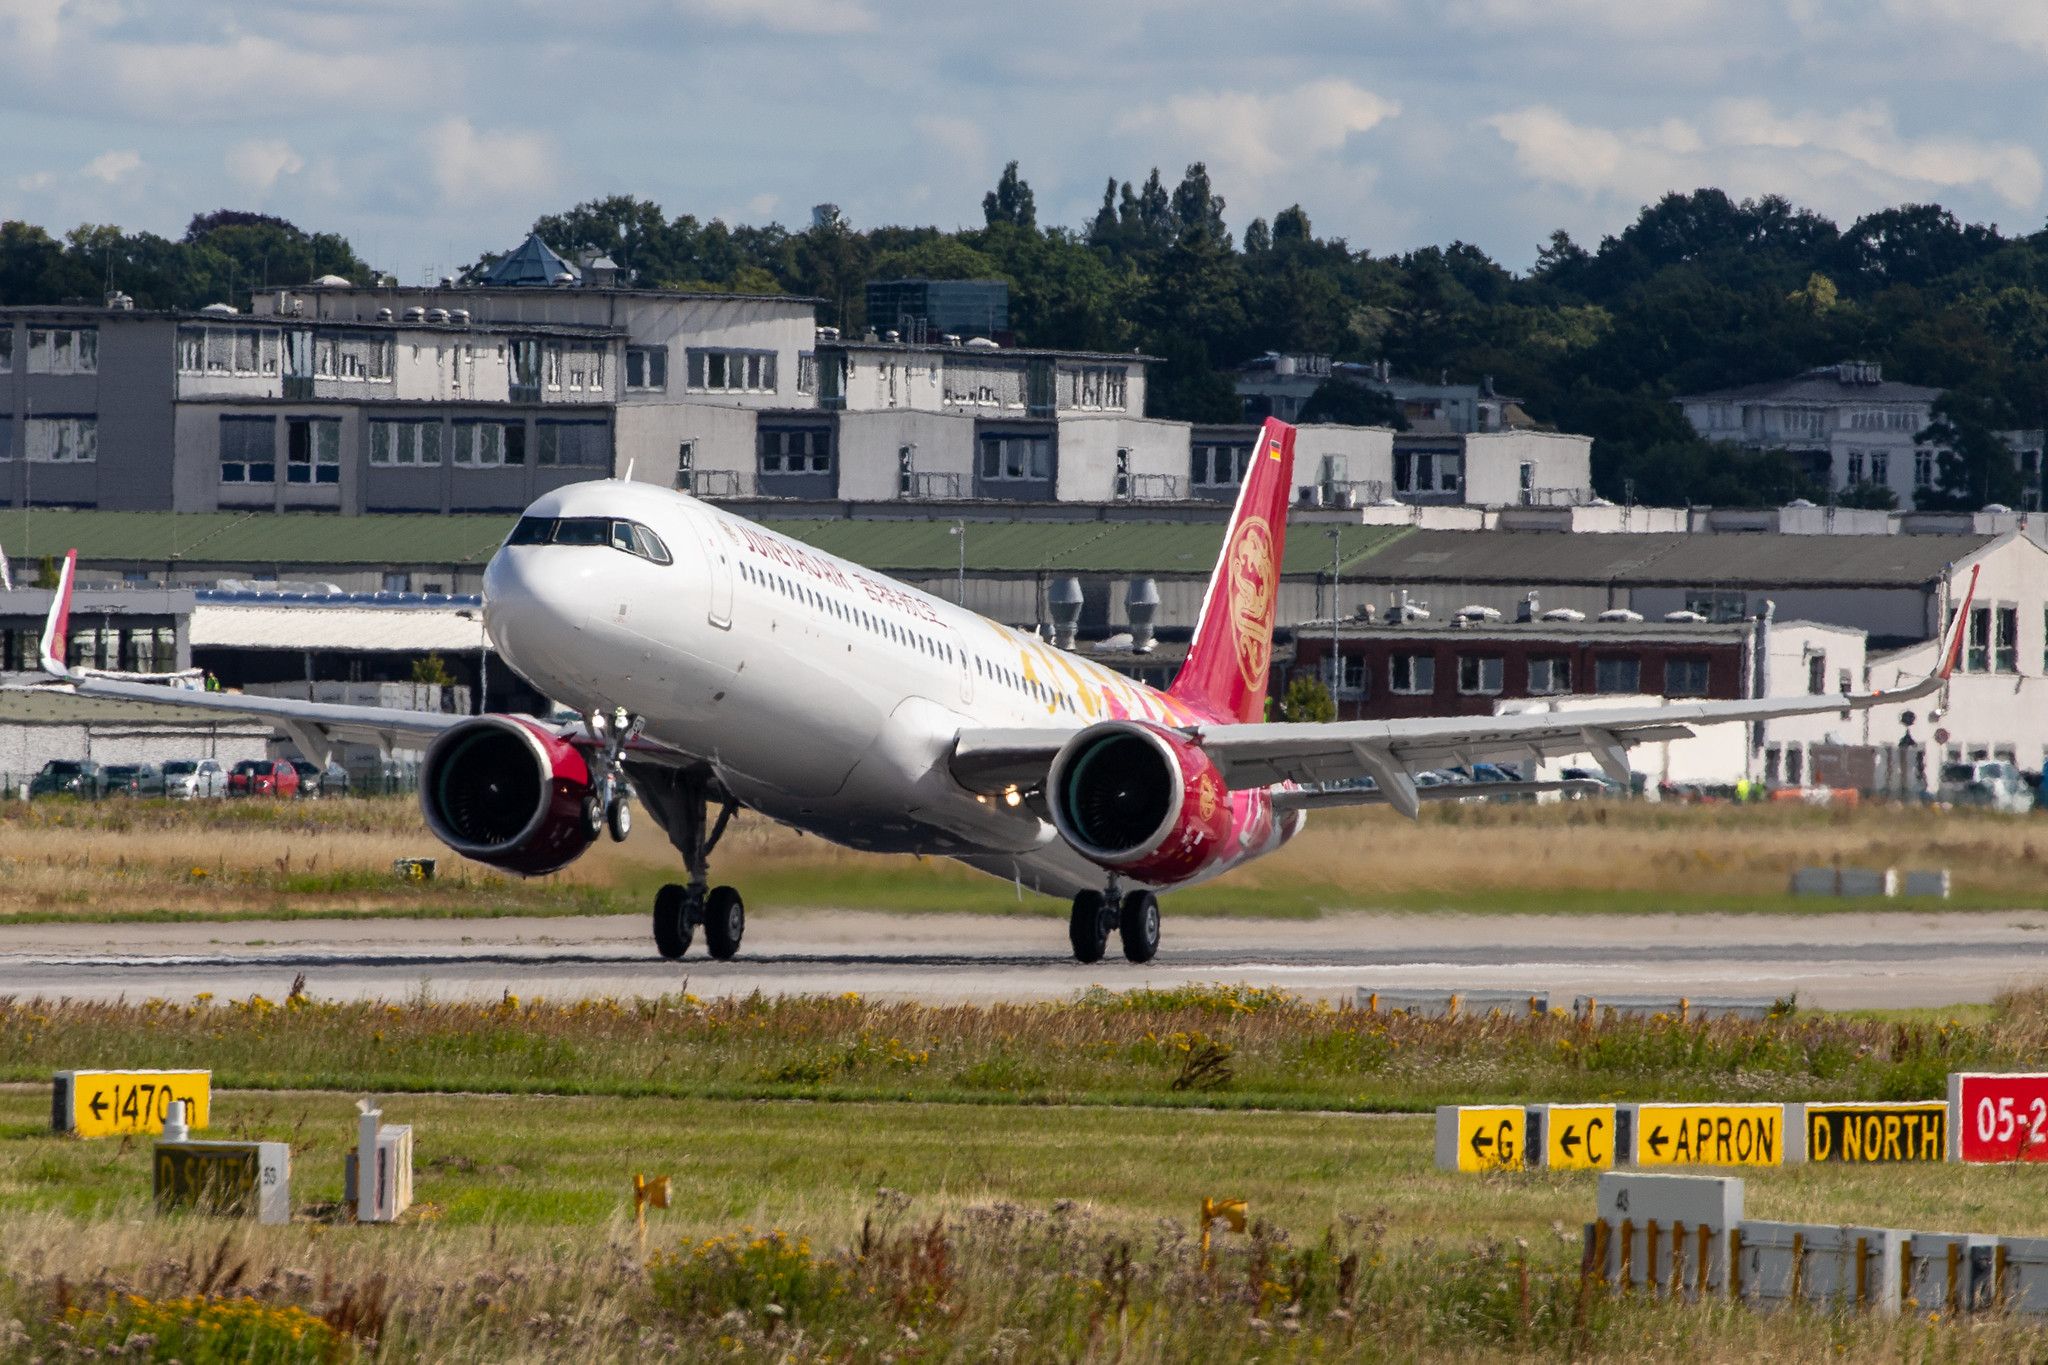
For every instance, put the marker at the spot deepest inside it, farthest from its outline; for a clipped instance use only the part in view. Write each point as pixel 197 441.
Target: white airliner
pixel 723 666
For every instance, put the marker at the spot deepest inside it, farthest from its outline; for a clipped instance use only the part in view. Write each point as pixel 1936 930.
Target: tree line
pixel 1700 292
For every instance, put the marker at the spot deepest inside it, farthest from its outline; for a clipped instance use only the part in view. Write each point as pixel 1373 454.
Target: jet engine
pixel 509 792
pixel 1140 800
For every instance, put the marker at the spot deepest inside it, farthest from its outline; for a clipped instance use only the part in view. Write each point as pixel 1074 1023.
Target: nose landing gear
pixel 605 809
pixel 1134 916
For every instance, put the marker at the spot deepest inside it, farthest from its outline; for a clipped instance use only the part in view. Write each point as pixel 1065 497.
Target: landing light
pixel 1011 798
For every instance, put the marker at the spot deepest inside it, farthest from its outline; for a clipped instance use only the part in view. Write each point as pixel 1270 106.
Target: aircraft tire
pixel 1086 929
pixel 593 817
pixel 672 927
pixel 618 819
pixel 1138 926
pixel 725 922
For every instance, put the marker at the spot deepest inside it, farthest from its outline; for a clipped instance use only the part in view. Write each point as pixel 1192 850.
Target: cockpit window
pixel 629 536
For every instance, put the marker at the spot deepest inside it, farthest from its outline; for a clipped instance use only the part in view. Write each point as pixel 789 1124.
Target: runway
pixel 1829 960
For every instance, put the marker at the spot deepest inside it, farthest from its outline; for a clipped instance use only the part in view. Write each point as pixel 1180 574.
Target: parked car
pixel 70 777
pixel 263 777
pixel 134 779
pixel 314 782
pixel 1988 782
pixel 190 778
pixel 1606 786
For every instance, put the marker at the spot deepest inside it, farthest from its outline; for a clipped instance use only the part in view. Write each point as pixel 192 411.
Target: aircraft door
pixel 963 664
pixel 719 554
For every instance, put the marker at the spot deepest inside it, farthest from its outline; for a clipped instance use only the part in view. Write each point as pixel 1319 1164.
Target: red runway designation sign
pixel 1998 1116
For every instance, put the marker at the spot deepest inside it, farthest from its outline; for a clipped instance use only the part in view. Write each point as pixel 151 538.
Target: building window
pixel 2005 656
pixel 405 444
pixel 63 350
pixel 1816 674
pixel 1717 606
pixel 1353 683
pixel 646 367
pixel 312 450
pixel 718 371
pixel 1009 459
pixel 1219 465
pixel 63 440
pixel 1622 673
pixel 1550 675
pixel 1774 761
pixel 489 445
pixel 795 450
pixel 1881 468
pixel 1095 386
pixel 1480 673
pixel 686 466
pixel 1923 469
pixel 1411 674
pixel 248 450
pixel 1685 677
pixel 580 444
pixel 1855 474
pixel 1977 652
pixel 6 348
pixel 1795 765
pixel 807 373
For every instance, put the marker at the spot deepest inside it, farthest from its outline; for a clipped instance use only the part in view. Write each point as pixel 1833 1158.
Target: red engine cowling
pixel 507 791
pixel 1141 801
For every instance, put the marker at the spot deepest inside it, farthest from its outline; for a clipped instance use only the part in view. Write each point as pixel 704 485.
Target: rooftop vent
pixel 1685 618
pixel 892 336
pixel 437 315
pixel 1996 508
pixel 330 282
pixel 828 334
pixel 383 315
pixel 1563 614
pixel 950 338
pixel 1063 602
pixel 983 344
pixel 565 278
pixel 1618 615
pixel 1141 605
pixel 120 303
pixel 459 316
pixel 415 314
pixel 1478 613
pixel 220 310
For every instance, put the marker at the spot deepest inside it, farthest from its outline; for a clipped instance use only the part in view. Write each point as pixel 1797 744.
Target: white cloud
pixel 959 140
pixel 810 17
pixel 469 164
pixel 111 168
pixel 1996 22
pixel 1844 163
pixel 257 163
pixel 1253 136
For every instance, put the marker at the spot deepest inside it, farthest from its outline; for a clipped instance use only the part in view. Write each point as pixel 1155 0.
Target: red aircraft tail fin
pixel 1226 673
pixel 57 630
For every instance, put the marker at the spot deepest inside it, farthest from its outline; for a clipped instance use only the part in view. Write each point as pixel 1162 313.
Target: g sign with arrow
pixel 1481 1137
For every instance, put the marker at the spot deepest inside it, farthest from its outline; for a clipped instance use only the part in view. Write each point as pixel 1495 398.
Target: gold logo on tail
pixel 1254 582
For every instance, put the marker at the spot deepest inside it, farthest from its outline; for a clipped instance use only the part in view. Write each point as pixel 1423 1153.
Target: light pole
pixel 1336 535
pixel 959 531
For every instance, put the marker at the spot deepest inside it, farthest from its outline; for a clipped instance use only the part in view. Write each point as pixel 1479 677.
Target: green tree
pixel 1011 201
pixel 1307 701
pixel 1347 402
pixel 1976 466
pixel 431 670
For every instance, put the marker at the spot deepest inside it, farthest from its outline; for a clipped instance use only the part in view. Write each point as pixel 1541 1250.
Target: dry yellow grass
pixel 336 857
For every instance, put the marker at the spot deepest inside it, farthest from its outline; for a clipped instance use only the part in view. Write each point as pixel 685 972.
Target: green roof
pixel 1151 547
pixel 892 546
pixel 251 537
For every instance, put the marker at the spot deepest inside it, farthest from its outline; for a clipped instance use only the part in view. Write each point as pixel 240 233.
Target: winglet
pixel 57 630
pixel 1955 645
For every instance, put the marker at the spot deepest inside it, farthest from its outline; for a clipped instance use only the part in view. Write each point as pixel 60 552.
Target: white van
pixel 1988 782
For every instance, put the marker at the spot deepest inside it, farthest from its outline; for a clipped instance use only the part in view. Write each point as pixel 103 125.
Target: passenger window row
pixel 911 639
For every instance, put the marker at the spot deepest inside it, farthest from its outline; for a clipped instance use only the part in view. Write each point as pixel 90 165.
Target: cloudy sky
pixel 432 130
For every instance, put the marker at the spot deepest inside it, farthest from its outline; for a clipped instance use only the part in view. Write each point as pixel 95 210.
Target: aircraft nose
pixel 537 602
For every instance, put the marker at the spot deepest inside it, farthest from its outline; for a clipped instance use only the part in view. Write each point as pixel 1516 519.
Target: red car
pixel 263 777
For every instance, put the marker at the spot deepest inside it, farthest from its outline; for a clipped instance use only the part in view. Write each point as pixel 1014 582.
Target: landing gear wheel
pixel 618 819
pixel 725 920
pixel 1138 926
pixel 1088 927
pixel 674 922
pixel 593 817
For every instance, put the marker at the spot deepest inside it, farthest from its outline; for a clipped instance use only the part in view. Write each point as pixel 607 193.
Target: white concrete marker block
pixel 1653 1222
pixel 1844 1269
pixel 2026 1274
pixel 1933 1258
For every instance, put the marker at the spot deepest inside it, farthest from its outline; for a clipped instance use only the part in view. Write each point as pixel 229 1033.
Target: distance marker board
pixel 122 1103
pixel 1876 1132
pixel 1710 1135
pixel 1481 1137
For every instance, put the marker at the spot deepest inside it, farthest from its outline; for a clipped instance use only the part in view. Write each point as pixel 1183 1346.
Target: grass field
pixel 1198 1047
pixel 859 1232
pixel 263 859
pixel 857 1181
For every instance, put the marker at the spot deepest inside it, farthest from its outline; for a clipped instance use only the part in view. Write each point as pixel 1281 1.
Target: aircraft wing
pixel 316 727
pixel 1392 751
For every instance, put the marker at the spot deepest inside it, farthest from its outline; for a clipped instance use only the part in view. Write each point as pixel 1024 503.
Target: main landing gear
pixel 1133 916
pixel 681 802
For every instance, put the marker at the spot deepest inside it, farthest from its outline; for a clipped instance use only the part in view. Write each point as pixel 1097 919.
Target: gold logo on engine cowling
pixel 1205 797
pixel 1254 583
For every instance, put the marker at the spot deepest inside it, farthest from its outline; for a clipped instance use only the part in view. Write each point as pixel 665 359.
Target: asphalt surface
pixel 1829 960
